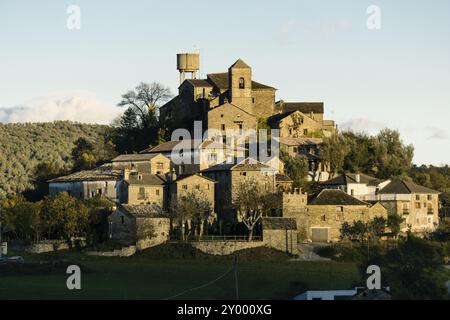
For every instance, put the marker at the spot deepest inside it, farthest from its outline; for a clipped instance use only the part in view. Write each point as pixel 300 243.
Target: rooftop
pixel 134 157
pixel 102 173
pixel 329 197
pixel 143 211
pixel 148 179
pixel 346 178
pixel 304 107
pixel 248 164
pixel 278 223
pixel 405 187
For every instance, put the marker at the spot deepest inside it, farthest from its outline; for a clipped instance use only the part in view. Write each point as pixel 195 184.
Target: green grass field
pixel 156 276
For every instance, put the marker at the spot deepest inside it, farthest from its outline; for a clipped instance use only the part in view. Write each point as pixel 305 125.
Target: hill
pixel 24 145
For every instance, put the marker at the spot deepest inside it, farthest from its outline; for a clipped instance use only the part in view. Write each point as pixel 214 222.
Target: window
pixel 241 83
pixel 240 128
pixel 430 209
pixel 305 132
pixel 429 197
pixel 207 187
pixel 197 187
pixel 253 100
pixel 295 149
pixel 418 205
pixel 184 186
pixel 221 115
pixel 324 218
pixel 157 192
pixel 159 165
pixel 405 208
pixel 213 157
pixel 352 192
pixel 417 197
pixel 243 174
pixel 223 127
pixel 340 209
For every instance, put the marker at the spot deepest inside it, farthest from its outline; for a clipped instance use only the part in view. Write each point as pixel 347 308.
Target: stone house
pixel 153 163
pixel 196 183
pixel 359 185
pixel 319 168
pixel 102 181
pixel 143 188
pixel 230 175
pixel 296 124
pixel 142 225
pixel 191 156
pixel 329 209
pixel 418 205
pixel 280 233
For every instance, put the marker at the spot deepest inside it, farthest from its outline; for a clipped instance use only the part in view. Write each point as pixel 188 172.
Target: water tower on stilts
pixel 188 63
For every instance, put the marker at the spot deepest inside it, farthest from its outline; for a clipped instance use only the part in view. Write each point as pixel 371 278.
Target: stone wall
pixel 46 246
pixel 123 252
pixel 282 240
pixel 223 248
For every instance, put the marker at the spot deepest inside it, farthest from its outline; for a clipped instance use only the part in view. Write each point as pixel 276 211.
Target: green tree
pixel 297 168
pixel 394 223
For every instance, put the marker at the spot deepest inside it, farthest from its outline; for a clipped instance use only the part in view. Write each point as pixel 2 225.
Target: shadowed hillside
pixel 24 145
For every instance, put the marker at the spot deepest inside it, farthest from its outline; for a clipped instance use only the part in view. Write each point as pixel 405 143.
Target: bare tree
pixel 191 210
pixel 145 99
pixel 253 200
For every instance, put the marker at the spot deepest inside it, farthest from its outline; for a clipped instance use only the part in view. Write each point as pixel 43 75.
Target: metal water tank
pixel 188 62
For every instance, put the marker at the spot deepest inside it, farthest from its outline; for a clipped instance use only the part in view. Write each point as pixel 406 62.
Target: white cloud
pixel 82 107
pixel 362 125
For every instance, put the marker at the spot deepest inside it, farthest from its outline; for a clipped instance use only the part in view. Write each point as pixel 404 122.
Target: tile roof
pixel 180 178
pixel 279 177
pixel 405 187
pixel 188 144
pixel 346 178
pixel 144 211
pixel 278 223
pixel 220 80
pixel 102 173
pixel 248 164
pixel 148 179
pixel 199 82
pixel 240 64
pixel 305 107
pixel 300 141
pixel 334 197
pixel 134 157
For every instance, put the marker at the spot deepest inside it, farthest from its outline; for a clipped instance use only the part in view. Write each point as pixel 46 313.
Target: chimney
pixel 126 174
pixel 358 178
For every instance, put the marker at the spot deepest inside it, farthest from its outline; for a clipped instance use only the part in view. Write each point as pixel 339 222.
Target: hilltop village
pixel 208 187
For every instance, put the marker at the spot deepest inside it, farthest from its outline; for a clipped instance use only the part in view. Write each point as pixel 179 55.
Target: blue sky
pixel 396 77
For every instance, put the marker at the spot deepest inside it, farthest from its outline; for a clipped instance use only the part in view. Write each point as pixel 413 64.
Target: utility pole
pixel 236 283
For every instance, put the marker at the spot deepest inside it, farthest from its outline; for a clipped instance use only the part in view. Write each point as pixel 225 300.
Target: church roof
pixel 220 80
pixel 305 107
pixel 240 64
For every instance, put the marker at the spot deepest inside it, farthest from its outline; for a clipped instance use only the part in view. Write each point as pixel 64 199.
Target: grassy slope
pixel 143 277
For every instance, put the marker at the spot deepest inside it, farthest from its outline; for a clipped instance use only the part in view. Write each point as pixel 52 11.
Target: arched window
pixel 241 83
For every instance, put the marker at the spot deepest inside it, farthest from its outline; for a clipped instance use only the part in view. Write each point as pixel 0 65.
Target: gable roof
pixel 300 141
pixel 199 82
pixel 181 178
pixel 328 197
pixel 188 144
pixel 277 118
pixel 346 178
pixel 102 173
pixel 134 157
pixel 240 64
pixel 146 179
pixel 405 187
pixel 143 211
pixel 280 177
pixel 248 164
pixel 221 81
pixel 305 107
pixel 279 223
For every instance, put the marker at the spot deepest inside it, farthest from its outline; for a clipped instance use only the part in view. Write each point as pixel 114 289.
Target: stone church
pixel 233 100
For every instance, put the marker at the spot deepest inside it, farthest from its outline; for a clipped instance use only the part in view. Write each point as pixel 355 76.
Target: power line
pixel 204 285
